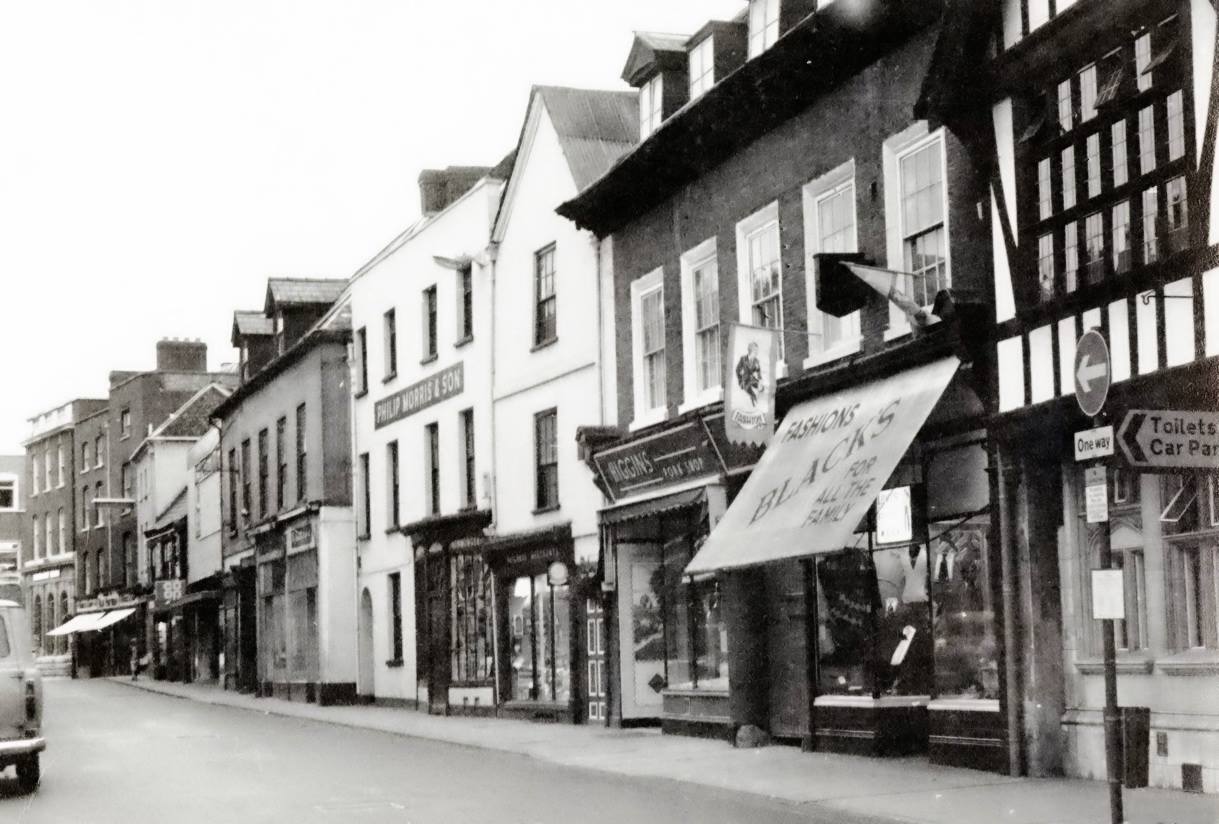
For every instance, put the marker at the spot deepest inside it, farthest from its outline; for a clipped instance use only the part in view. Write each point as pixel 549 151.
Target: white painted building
pixel 421 320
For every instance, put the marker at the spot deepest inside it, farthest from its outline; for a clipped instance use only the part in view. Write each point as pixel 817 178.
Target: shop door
pixel 594 636
pixel 247 667
pixel 438 636
pixel 787 652
pixel 640 630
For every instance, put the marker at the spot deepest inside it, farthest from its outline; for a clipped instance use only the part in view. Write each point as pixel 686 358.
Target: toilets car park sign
pixel 1170 439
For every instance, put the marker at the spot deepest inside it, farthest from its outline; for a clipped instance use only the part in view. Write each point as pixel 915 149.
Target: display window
pixel 539 618
pixel 473 657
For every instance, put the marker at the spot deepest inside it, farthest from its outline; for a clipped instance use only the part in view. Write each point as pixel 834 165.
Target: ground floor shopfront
pixel 108 631
pixel 854 603
pixel 497 620
pixel 1163 528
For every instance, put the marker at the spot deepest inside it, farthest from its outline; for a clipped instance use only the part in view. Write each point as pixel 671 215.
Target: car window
pixel 5 649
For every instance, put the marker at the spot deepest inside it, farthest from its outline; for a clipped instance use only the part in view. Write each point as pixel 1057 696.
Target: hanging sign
pixel 749 385
pixel 1094 443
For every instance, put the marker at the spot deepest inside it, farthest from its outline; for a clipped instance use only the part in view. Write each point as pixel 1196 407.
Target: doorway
pixel 367 685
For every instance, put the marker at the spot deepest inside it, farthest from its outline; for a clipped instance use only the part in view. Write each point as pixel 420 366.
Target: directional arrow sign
pixel 1170 438
pixel 1091 372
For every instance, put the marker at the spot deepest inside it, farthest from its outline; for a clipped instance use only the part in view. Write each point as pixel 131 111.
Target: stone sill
pixel 1125 666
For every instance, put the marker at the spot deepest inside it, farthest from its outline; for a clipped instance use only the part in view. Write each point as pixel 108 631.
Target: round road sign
pixel 1092 374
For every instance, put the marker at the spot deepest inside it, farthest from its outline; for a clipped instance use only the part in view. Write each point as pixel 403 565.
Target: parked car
pixel 21 738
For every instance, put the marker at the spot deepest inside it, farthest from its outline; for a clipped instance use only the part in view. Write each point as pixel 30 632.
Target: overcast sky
pixel 160 159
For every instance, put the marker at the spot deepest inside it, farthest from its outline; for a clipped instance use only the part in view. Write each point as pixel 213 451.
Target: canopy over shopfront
pixel 78 623
pixel 823 469
pixel 113 617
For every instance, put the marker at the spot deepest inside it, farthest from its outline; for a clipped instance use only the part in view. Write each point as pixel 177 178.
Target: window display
pixel 472 657
pixel 966 658
pixel 539 618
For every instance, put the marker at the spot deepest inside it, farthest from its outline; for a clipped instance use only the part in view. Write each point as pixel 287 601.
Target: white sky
pixel 159 159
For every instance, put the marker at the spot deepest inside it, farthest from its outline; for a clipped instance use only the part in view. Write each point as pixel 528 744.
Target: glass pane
pixel 966 660
pixel 711 641
pixel 847 596
pixel 647 631
pixel 675 606
pixel 521 620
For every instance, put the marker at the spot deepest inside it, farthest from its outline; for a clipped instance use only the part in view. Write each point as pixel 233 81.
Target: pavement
pixel 855 788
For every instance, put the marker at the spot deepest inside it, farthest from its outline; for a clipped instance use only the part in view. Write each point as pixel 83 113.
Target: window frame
pixel 757 41
pixel 549 252
pixel 431 348
pixel 763 220
pixel 651 105
pixel 640 288
pixel 540 482
pixel 302 454
pixel 465 303
pixel 361 347
pixel 700 65
pixel 702 258
pixel 469 468
pixel 393 485
pixel 264 472
pixel 820 190
pixel 389 328
pixel 431 454
pixel 364 527
pixel 11 481
pixel 281 462
pixel 396 635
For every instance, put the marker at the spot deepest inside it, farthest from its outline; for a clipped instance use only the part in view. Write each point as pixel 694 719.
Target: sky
pixel 160 159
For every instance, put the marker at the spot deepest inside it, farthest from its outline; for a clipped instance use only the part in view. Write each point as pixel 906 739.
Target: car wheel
pixel 29 772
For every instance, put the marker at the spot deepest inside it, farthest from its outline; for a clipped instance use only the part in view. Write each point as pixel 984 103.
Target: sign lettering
pixel 657 461
pixel 430 391
pixel 1094 443
pixel 1170 438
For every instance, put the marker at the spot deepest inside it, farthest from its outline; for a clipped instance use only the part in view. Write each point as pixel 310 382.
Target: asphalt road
pixel 127 756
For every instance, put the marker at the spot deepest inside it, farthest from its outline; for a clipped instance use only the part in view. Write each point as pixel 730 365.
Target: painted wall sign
pixel 749 385
pixel 1170 438
pixel 666 458
pixel 300 537
pixel 430 391
pixel 1094 443
pixel 826 465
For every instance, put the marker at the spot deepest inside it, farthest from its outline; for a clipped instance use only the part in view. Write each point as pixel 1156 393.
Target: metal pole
pixel 1112 715
pixel 1011 671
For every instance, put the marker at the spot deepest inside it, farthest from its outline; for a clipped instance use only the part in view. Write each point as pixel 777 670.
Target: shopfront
pixel 287 580
pixel 858 562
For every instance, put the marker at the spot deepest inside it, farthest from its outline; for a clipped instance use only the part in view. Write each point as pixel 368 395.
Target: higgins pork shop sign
pixel 827 463
pixel 660 460
pixel 430 391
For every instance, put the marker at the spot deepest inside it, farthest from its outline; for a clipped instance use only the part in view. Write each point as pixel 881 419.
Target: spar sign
pixel 826 464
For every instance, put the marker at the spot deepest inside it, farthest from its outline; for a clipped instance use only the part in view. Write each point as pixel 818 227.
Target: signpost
pixel 1092 379
pixel 1167 438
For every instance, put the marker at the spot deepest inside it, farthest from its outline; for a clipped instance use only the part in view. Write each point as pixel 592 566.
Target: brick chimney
pixel 440 187
pixel 174 355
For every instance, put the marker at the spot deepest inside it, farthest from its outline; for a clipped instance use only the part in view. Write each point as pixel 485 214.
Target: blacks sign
pixel 657 461
pixel 430 391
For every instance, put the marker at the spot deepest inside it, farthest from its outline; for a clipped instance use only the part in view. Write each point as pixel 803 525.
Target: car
pixel 21 740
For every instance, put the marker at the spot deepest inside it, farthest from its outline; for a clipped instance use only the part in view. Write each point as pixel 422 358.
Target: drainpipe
pixel 601 415
pixel 492 264
pixel 356 508
pixel 1011 672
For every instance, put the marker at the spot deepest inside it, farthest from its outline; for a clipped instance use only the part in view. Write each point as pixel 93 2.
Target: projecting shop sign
pixel 666 458
pixel 430 391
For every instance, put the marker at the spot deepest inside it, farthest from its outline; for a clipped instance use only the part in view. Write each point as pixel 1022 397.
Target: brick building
pixel 774 144
pixel 12 524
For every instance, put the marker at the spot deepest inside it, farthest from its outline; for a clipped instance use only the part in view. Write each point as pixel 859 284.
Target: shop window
pixel 395 617
pixel 361 347
pixel 710 635
pixel 472 652
pixel 540 621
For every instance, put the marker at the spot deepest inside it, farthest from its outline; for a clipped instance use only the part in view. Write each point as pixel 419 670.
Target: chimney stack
pixel 440 187
pixel 174 355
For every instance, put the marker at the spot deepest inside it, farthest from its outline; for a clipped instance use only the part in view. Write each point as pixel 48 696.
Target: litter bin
pixel 1136 746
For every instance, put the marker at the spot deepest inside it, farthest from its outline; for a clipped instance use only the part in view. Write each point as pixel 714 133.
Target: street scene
pixel 796 410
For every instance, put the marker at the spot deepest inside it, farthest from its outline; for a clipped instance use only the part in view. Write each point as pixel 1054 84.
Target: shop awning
pixel 78 623
pixel 661 505
pixel 113 617
pixel 823 469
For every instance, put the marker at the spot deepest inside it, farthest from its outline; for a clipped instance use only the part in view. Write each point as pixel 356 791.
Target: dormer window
pixel 651 94
pixel 702 67
pixel 279 333
pixel 763 25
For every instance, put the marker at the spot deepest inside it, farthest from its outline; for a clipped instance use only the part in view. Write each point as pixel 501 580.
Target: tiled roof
pixel 192 419
pixel 304 290
pixel 252 323
pixel 595 128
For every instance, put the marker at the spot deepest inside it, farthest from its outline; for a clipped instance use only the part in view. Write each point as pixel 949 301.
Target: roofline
pixel 173 416
pixel 314 338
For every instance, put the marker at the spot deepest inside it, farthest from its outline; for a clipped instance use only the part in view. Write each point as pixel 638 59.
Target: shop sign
pixel 826 465
pixel 1170 439
pixel 749 385
pixel 445 384
pixel 300 537
pixel 1096 494
pixel 1108 595
pixel 1091 372
pixel 666 458
pixel 168 590
pixel 1094 443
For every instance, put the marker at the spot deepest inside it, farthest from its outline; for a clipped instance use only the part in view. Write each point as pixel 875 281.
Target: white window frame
pixel 815 192
pixel 9 478
pixel 36 538
pixel 760 41
pixel 651 106
pixel 895 149
pixel 759 221
pixel 702 67
pixel 62 523
pixel 47 465
pixel 694 259
pixel 60 457
pixel 645 285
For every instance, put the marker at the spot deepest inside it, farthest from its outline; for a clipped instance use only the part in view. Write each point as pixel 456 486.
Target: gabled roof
pixel 302 291
pixel 653 49
pixel 192 419
pixel 175 510
pixel 251 322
